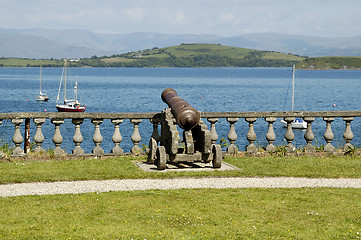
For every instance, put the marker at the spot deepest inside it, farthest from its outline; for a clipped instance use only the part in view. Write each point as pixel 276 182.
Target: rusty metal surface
pixel 186 116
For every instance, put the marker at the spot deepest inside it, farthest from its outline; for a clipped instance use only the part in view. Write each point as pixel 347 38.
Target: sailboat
pixel 70 105
pixel 298 122
pixel 42 95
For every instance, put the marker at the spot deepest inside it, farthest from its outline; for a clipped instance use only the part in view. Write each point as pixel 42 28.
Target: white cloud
pixel 135 13
pixel 180 17
pixel 227 17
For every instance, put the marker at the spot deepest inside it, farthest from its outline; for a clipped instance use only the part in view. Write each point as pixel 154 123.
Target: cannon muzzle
pixel 186 116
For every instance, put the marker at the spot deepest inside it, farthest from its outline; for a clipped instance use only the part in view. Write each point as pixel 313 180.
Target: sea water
pixel 206 89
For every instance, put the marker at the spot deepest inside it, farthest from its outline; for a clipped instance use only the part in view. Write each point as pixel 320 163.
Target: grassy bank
pixel 124 168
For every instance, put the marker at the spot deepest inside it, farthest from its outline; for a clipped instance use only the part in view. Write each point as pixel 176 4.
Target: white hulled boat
pixel 69 105
pixel 42 95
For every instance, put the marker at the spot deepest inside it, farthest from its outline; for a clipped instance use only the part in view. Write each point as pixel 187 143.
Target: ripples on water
pixel 207 89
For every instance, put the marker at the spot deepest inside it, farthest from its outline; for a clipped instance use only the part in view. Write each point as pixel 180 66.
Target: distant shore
pixel 196 56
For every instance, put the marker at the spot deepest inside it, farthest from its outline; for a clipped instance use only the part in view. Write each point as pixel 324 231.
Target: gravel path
pixel 75 187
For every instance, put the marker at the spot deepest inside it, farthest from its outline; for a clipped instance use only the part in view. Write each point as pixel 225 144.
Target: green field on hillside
pixel 327 63
pixel 26 62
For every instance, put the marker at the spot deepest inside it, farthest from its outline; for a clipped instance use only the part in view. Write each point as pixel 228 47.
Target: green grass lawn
pixel 320 213
pixel 123 168
pixel 256 213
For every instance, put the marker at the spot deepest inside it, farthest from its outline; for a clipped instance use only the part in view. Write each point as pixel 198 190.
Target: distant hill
pixel 28 46
pixel 184 55
pixel 200 55
pixel 44 43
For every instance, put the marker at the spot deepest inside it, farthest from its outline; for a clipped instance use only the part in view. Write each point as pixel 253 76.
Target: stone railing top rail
pixel 149 115
pixel 280 114
pixel 66 115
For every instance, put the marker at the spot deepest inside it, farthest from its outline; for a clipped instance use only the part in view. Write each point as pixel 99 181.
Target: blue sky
pixel 325 18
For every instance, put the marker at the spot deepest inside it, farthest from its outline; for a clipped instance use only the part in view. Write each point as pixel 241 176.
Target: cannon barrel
pixel 186 116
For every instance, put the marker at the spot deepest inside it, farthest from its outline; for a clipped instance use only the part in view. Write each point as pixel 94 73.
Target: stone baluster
pixel 17 138
pixel 289 135
pixel 97 137
pixel 136 138
pixel 1 153
pixel 214 135
pixel 57 138
pixel 155 133
pixel 232 136
pixel 39 137
pixel 328 136
pixel 251 135
pixel 117 137
pixel 348 135
pixel 270 136
pixel 309 136
pixel 77 138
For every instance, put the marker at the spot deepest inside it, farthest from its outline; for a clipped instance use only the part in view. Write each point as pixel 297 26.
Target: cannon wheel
pixel 217 156
pixel 161 158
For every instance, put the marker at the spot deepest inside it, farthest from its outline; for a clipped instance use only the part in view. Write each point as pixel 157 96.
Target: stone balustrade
pixel 233 118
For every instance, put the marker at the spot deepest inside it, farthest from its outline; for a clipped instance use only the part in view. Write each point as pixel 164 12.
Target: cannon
pixel 196 145
pixel 185 115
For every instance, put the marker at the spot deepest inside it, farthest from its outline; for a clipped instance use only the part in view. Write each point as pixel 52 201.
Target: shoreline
pixel 302 69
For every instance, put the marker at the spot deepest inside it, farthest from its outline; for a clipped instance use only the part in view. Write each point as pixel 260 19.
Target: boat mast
pixel 65 79
pixel 76 89
pixel 40 79
pixel 293 86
